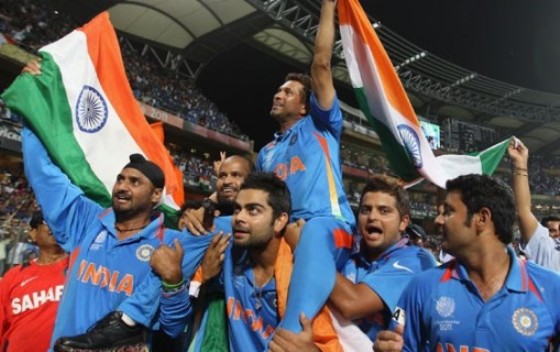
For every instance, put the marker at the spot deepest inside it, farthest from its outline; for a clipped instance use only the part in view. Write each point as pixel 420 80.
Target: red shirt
pixel 29 299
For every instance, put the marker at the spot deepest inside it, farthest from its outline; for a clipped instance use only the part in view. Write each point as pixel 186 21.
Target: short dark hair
pixel 248 162
pixel 305 81
pixel 390 186
pixel 36 219
pixel 546 219
pixel 279 197
pixel 482 191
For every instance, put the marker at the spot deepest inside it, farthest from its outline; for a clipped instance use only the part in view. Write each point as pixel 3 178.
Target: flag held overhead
pixel 384 102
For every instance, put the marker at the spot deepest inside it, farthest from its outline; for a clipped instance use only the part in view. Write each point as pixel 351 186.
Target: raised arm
pixel 535 240
pixel 321 75
pixel 67 211
pixel 519 155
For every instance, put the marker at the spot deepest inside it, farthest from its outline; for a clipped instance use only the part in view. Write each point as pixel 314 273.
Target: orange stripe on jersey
pixel 335 207
pixel 343 239
pixel 527 281
pixel 448 273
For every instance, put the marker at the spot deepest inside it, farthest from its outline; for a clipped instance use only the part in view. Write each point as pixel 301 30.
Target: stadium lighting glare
pixel 411 60
pixel 464 80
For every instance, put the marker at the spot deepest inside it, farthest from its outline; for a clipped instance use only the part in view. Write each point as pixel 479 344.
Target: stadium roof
pixel 195 31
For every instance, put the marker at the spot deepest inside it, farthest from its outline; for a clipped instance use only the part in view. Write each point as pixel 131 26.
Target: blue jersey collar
pixel 154 228
pixel 517 279
pixel 361 256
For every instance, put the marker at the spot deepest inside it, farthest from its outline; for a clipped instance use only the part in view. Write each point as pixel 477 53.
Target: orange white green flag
pixel 83 110
pixel 384 102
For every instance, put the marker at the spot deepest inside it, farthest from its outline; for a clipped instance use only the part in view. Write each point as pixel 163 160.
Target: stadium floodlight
pixel 410 60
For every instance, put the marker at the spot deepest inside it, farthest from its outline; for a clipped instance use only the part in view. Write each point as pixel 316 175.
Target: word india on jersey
pixel 101 276
pixel 448 347
pixel 281 170
pixel 36 299
pixel 236 312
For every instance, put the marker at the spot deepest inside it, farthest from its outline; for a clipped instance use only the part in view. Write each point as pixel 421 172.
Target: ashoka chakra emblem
pixel 91 110
pixel 412 144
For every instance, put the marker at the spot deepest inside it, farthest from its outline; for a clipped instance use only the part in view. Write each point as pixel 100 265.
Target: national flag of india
pixel 83 110
pixel 383 100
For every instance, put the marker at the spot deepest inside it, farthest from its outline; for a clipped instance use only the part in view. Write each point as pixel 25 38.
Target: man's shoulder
pixel 414 255
pixel 551 278
pixel 434 276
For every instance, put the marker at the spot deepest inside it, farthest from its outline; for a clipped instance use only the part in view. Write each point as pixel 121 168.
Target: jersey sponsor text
pixel 36 299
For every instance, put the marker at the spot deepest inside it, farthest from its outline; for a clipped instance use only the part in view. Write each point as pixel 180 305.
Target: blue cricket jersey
pixel 387 276
pixel 307 158
pixel 443 310
pixel 252 311
pixel 105 273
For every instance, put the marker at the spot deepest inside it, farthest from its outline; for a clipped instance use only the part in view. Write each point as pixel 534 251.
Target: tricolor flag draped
pixel 383 100
pixel 83 110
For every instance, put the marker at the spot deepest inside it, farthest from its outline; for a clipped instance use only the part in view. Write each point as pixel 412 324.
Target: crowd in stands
pixel 32 25
pixel 197 168
pixel 363 159
pixel 17 204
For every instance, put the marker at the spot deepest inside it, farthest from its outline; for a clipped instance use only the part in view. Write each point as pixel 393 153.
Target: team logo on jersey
pixel 91 110
pixel 99 240
pixel 525 321
pixel 412 144
pixel 101 237
pixel 267 160
pixel 144 252
pixel 445 306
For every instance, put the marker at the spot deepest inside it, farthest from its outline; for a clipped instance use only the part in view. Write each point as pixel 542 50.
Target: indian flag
pixel 83 110
pixel 383 100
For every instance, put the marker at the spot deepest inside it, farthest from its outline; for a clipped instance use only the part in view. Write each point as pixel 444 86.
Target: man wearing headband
pixel 110 252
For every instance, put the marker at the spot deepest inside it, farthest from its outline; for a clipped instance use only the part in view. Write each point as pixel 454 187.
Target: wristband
pixel 520 169
pixel 171 287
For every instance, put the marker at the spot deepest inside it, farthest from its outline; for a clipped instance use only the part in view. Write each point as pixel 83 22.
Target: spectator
pixel 30 292
pixel 536 242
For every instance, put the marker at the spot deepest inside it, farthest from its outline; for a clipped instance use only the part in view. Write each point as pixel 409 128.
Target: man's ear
pixel 484 218
pixel 156 195
pixel 405 221
pixel 33 235
pixel 281 222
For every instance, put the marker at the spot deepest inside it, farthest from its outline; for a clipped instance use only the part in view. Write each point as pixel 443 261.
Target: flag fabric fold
pixel 82 108
pixel 384 102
